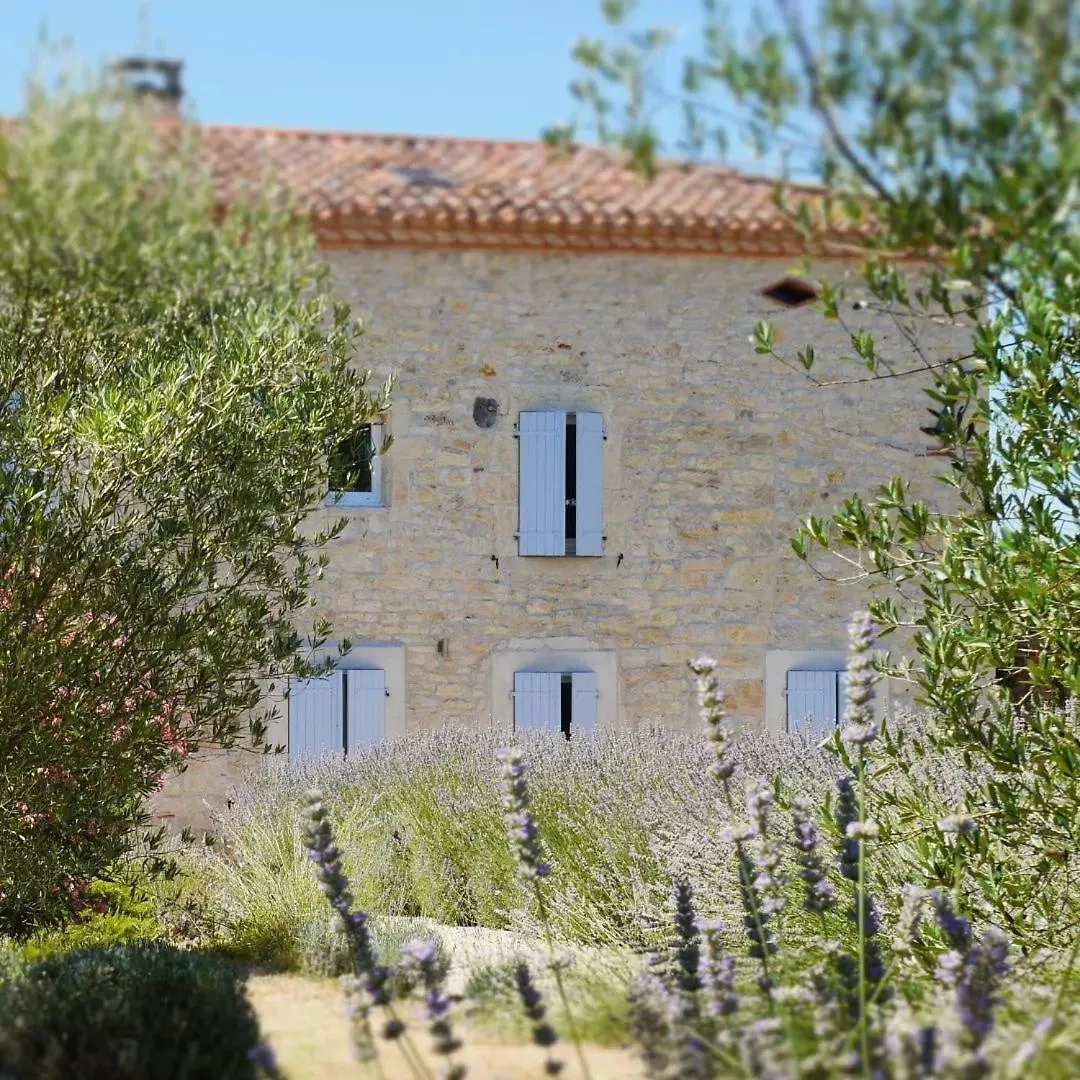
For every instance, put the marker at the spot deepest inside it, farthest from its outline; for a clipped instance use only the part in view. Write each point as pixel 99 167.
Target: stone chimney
pixel 154 80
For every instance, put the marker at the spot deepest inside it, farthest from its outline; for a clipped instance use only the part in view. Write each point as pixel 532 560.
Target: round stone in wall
pixel 484 411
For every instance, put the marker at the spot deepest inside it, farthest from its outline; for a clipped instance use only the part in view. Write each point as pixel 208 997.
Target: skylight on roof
pixel 422 176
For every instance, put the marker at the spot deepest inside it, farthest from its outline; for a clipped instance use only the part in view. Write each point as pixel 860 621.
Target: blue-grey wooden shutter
pixel 365 713
pixel 841 695
pixel 542 483
pixel 590 484
pixel 811 702
pixel 315 717
pixel 583 714
pixel 537 701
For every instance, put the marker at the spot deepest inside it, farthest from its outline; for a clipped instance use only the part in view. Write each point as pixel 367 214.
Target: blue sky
pixel 497 68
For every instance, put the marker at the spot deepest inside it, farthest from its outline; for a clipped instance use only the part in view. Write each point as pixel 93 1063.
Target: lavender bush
pixel 798 943
pixel 421 823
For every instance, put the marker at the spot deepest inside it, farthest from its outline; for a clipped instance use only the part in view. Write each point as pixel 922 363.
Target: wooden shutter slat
pixel 366 712
pixel 590 484
pixel 542 483
pixel 811 702
pixel 537 701
pixel 315 717
pixel 583 716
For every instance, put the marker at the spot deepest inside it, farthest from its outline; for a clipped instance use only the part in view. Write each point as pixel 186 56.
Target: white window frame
pixel 374 497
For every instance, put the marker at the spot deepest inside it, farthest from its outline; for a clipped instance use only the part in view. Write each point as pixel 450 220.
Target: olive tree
pixel 174 375
pixel 949 130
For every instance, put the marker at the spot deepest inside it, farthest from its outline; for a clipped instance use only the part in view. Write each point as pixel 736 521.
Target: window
pixel 339 712
pixel 555 701
pixel 560 483
pixel 356 468
pixel 815 701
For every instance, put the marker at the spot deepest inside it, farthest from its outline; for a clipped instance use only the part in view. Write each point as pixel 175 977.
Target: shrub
pixel 11 961
pixel 325 953
pixel 420 820
pixel 117 913
pixel 127 1012
pixel 140 611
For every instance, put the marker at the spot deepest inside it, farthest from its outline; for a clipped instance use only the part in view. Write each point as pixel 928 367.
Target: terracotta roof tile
pixel 368 189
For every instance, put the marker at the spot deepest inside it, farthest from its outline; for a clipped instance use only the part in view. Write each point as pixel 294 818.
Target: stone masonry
pixel 713 456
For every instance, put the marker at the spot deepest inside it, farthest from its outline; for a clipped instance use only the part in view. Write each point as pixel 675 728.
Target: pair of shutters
pixel 815 701
pixel 538 701
pixel 542 475
pixel 340 712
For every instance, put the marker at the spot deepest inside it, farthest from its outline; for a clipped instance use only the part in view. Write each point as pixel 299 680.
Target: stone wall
pixel 713 455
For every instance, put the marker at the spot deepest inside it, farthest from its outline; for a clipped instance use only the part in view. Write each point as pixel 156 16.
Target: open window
pixel 355 468
pixel 338 713
pixel 563 701
pixel 560 483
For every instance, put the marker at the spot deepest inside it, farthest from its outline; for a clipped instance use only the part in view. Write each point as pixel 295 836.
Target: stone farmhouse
pixel 592 476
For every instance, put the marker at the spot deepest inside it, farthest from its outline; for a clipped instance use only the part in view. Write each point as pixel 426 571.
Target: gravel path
pixel 304 1022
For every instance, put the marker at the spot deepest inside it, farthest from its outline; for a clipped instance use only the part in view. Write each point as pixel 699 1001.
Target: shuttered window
pixel 342 711
pixel 555 701
pixel 365 707
pixel 316 717
pixel 815 701
pixel 560 483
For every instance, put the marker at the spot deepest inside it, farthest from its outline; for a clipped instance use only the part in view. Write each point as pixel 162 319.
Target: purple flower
pixel 714 717
pixel 262 1057
pixel 846 813
pixel 984 968
pixel 543 1034
pixel 767 880
pixel 318 838
pixel 956 928
pixel 717 972
pixel 421 957
pixel 819 891
pixel 859 728
pixel 520 824
pixel 688 940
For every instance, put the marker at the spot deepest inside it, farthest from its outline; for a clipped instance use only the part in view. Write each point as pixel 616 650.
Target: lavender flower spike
pixel 985 967
pixel 859 727
pixel 520 823
pixel 820 895
pixel 714 717
pixel 768 881
pixel 369 984
pixel 262 1057
pixel 421 956
pixel 718 972
pixel 688 939
pixel 543 1034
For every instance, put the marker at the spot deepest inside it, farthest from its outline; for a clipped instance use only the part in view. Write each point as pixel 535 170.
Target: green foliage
pixel 951 131
pixel 173 382
pixel 115 912
pixel 127 1012
pixel 325 953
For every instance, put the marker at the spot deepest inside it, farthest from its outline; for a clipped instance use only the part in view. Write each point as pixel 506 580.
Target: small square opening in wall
pixel 355 468
pixel 791 292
